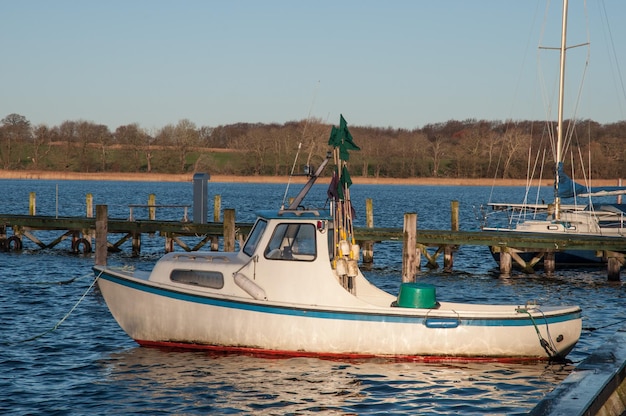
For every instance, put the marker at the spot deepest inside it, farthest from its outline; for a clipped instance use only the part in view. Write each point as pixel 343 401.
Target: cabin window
pixel 253 239
pixel 292 242
pixel 214 280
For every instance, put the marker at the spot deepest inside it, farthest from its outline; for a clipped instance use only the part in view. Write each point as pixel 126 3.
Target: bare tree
pixel 91 134
pixel 205 134
pixel 185 138
pixel 103 138
pixel 514 142
pixel 137 142
pixel 15 128
pixel 419 142
pixel 42 144
pixel 436 150
pixel 68 133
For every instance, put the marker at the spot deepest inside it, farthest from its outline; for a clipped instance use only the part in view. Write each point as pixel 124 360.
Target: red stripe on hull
pixel 264 353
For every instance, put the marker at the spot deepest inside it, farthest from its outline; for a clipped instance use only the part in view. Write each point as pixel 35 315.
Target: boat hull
pixel 156 315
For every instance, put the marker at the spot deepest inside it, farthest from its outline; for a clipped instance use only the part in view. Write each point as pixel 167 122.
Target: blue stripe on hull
pixel 329 314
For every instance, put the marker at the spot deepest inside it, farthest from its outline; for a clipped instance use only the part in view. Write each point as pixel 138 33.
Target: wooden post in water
pixel 89 205
pixel 152 208
pixel 87 233
pixel 506 262
pixel 102 220
pixel 32 204
pixel 136 243
pixel 549 262
pixel 169 243
pixel 448 251
pixel 229 229
pixel 368 246
pixel 217 208
pixel 613 265
pixel 409 247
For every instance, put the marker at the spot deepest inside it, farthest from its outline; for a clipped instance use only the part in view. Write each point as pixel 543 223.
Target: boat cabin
pixel 288 256
pixel 291 240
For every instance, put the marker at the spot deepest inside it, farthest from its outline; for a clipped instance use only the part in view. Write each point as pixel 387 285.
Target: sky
pixel 397 63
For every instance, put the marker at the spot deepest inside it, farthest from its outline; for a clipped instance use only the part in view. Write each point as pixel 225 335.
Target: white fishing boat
pixel 556 218
pixel 294 288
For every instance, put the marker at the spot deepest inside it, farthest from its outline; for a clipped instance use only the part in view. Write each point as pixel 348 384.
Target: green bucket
pixel 417 295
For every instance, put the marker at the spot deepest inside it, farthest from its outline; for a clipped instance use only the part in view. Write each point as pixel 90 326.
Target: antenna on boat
pixel 293 167
pixel 308 119
pixel 313 177
pixel 307 168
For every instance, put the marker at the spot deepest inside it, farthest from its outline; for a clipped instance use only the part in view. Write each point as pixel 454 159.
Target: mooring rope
pixel 591 328
pixel 58 324
pixel 547 346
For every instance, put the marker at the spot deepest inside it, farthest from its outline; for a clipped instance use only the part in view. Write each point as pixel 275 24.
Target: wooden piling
pixel 506 262
pixel 152 207
pixel 418 252
pixel 87 234
pixel 549 262
pixel 613 268
pixel 102 219
pixel 368 246
pixel 454 215
pixel 229 229
pixel 136 243
pixel 217 208
pixel 32 204
pixel 409 247
pixel 89 205
pixel 448 251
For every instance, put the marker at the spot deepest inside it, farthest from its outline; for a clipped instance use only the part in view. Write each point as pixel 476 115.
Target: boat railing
pixel 209 258
pixel 299 212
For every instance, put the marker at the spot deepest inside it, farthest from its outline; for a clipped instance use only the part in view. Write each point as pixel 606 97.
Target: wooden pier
pixel 81 231
pixel 431 244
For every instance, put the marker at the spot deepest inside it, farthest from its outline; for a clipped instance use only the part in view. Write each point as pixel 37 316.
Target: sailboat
pixel 560 219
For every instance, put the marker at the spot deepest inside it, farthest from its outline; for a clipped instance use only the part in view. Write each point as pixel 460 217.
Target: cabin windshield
pixel 292 242
pixel 255 235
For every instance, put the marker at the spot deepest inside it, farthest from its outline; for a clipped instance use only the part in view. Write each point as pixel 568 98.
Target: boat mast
pixel 559 133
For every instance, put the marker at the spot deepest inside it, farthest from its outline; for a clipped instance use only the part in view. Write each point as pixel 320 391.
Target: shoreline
pixel 188 177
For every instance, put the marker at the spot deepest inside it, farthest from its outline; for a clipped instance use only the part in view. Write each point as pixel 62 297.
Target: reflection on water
pixel 197 381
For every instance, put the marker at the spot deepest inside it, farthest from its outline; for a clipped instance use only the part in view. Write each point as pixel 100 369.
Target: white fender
pixel 249 286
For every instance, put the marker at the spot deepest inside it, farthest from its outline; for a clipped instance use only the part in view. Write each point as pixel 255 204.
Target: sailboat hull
pixel 563 259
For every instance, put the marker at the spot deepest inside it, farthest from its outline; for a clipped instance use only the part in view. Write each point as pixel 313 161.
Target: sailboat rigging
pixel 606 220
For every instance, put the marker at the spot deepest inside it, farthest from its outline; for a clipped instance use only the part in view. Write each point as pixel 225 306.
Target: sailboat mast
pixel 559 133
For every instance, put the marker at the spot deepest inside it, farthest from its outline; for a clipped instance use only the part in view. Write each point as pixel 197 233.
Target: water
pixel 89 366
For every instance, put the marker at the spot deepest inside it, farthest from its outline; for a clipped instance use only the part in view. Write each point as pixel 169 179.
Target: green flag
pixel 344 183
pixel 340 137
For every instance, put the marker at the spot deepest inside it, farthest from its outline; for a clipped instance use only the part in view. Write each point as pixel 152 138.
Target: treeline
pixel 454 149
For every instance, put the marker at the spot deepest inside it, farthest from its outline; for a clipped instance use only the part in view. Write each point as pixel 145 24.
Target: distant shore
pixel 188 177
